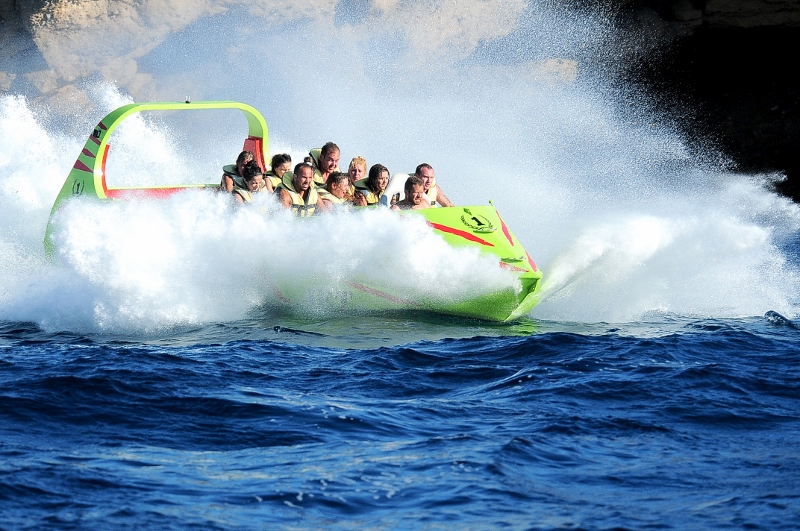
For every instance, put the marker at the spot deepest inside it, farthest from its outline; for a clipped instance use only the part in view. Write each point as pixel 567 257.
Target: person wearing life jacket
pixel 281 163
pixel 357 169
pixel 369 191
pixel 433 192
pixel 252 182
pixel 325 161
pixel 415 198
pixel 232 173
pixel 336 194
pixel 297 191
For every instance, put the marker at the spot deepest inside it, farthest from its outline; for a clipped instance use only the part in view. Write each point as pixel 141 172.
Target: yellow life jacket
pixel 432 193
pixel 246 194
pixel 315 155
pixel 327 196
pixel 300 207
pixel 229 170
pixel 371 197
pixel 339 205
pixel 274 180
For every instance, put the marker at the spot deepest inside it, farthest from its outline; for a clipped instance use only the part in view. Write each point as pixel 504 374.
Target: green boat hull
pixel 479 227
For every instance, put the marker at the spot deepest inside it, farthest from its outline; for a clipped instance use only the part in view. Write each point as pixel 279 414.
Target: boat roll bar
pixel 88 174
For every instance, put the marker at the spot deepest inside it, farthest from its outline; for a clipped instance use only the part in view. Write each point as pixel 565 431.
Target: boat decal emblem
pixel 77 188
pixel 477 222
pixel 96 133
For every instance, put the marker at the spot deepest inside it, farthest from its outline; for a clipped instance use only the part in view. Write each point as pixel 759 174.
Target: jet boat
pixel 479 227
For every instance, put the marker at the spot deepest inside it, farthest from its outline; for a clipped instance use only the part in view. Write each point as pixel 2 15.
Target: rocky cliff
pixel 726 67
pixel 728 63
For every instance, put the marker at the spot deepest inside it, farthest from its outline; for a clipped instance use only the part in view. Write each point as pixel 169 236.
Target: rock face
pixel 120 32
pixel 731 62
pixel 730 59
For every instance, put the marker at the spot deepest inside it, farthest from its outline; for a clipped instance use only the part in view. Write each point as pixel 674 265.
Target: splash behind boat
pixel 479 227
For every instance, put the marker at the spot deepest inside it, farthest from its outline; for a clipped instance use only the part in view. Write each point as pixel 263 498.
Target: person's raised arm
pixel 442 199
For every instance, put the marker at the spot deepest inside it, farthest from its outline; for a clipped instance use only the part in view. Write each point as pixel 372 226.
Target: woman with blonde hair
pixel 357 169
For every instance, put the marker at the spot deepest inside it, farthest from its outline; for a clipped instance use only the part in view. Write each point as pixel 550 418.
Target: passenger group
pixel 317 185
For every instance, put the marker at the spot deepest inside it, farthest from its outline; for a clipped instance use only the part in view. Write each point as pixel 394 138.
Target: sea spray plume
pixel 194 259
pixel 32 170
pixel 560 155
pixel 696 260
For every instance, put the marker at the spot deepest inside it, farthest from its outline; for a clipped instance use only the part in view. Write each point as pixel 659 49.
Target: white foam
pixel 197 258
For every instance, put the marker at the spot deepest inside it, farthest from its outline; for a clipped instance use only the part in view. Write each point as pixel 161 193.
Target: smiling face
pixel 341 188
pixel 255 183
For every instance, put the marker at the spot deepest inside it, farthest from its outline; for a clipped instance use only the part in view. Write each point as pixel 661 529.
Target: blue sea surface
pixel 384 422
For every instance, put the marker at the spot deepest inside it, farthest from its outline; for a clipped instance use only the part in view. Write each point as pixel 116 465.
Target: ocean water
pixel 275 422
pixel 149 380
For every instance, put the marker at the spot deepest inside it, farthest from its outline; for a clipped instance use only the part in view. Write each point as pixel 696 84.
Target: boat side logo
pixel 477 222
pixel 77 187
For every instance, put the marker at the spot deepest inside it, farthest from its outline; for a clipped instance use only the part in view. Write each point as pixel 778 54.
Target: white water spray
pixel 621 217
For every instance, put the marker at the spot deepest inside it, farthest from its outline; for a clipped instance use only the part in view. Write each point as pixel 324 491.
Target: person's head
pixel 426 173
pixel 253 176
pixel 414 190
pixel 281 163
pixel 378 178
pixel 303 176
pixel 329 158
pixel 243 158
pixel 357 169
pixel 338 184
